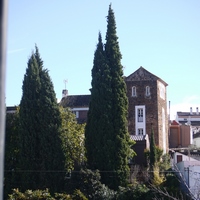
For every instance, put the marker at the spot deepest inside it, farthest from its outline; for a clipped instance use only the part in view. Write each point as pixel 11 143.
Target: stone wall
pixel 155 106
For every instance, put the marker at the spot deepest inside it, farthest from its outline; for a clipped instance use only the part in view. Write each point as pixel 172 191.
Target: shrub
pixel 136 192
pixel 32 195
pixel 91 186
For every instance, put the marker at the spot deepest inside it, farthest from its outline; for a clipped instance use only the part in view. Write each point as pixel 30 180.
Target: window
pixel 140 131
pixel 134 94
pixel 147 91
pixel 140 120
pixel 140 115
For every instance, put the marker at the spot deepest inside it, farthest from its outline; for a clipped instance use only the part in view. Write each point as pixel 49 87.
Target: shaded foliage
pixel 153 153
pixel 11 177
pixel 72 136
pixel 107 139
pixel 41 156
pixel 135 192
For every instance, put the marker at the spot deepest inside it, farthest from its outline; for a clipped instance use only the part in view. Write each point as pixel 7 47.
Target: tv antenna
pixel 65 82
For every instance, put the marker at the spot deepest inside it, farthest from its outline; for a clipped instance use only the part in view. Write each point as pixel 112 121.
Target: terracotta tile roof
pixel 75 101
pixel 174 122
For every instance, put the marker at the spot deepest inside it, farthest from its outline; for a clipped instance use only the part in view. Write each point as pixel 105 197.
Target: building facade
pixel 147 106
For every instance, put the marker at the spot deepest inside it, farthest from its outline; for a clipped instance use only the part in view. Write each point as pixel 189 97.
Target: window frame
pixel 134 91
pixel 147 92
pixel 142 124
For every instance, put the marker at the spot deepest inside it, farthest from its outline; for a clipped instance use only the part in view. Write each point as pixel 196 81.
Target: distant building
pixel 79 105
pixel 180 135
pixel 191 119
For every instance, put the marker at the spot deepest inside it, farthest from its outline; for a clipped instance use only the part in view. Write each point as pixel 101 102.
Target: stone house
pixel 147 106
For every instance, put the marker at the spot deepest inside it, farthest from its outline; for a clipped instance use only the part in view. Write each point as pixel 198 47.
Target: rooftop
pixel 75 101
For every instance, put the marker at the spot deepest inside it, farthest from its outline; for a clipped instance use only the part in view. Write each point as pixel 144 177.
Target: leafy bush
pixel 137 192
pixel 32 195
pixel 91 186
pixel 78 195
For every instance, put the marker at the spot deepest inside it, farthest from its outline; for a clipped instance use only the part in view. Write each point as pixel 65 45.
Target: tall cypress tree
pixel 41 154
pixel 107 138
pixel 119 137
pixel 153 153
pixel 99 110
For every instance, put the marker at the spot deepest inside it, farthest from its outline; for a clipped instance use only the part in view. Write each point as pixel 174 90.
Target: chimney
pixel 64 93
pixel 197 111
pixel 190 110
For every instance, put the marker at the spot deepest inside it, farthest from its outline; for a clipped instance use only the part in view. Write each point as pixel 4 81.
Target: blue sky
pixel 161 36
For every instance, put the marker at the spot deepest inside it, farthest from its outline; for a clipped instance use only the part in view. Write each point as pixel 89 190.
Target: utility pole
pixel 3 42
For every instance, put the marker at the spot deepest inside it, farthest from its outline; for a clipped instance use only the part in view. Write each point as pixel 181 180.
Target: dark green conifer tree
pixel 107 138
pixel 98 116
pixel 41 156
pixel 153 153
pixel 118 138
pixel 11 177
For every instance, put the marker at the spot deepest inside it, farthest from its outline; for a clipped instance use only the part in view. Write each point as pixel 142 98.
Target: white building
pixel 191 118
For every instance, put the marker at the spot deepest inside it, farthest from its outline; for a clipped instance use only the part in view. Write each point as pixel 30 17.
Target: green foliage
pixel 136 192
pixel 158 162
pixel 159 157
pixel 153 153
pixel 63 196
pixel 98 115
pixel 171 184
pixel 78 195
pixel 72 136
pixel 164 164
pixel 88 182
pixel 11 152
pixel 32 195
pixel 107 139
pixel 158 178
pixel 41 159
